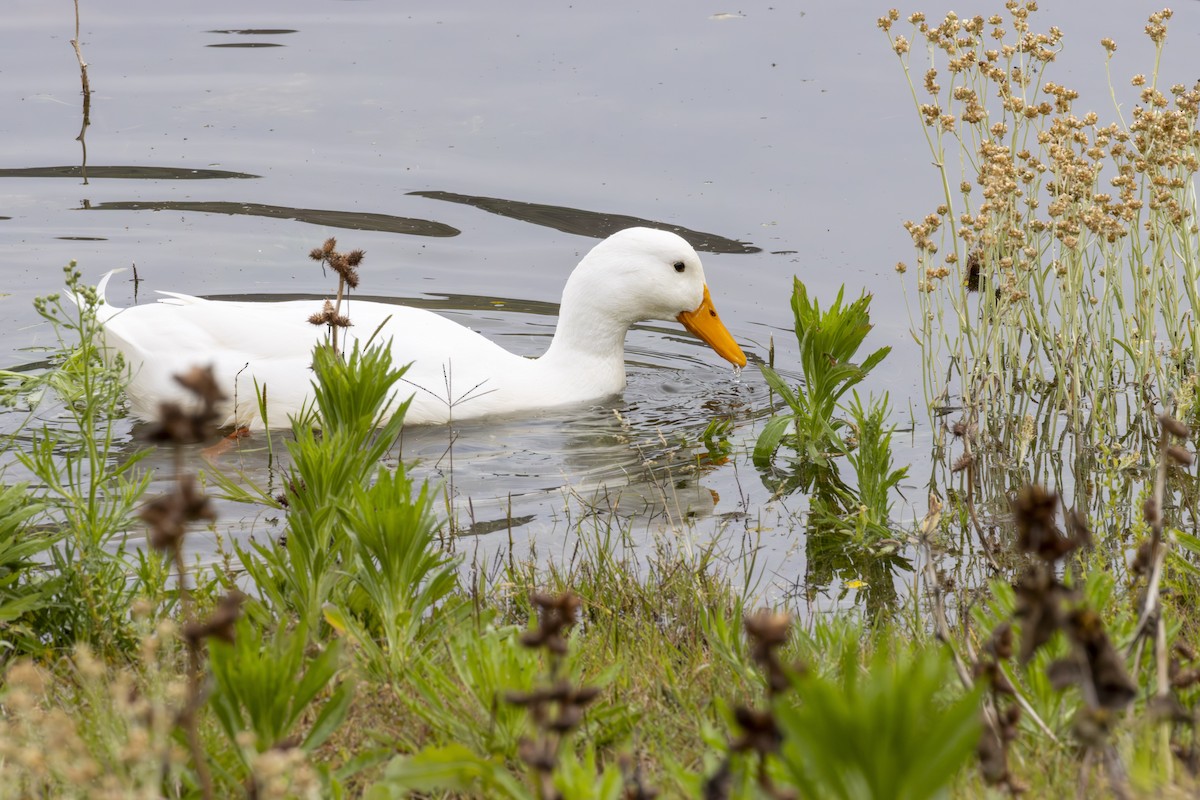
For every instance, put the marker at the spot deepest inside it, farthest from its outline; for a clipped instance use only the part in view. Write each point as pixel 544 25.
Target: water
pixel 476 152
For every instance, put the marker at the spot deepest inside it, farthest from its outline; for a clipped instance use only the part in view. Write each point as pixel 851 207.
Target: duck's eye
pixel 680 266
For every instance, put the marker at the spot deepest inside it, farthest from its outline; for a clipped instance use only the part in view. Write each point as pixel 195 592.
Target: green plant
pixel 90 489
pixel 551 703
pixel 889 730
pixel 396 579
pixel 24 590
pixel 864 513
pixel 715 438
pixel 271 687
pixel 810 426
pixel 877 722
pixel 357 424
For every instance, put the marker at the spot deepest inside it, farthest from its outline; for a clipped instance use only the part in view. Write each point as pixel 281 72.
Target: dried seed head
pixel 556 613
pixel 992 752
pixel 164 517
pixel 328 316
pixel 1142 558
pixel 1001 644
pixel 1174 426
pixel 760 731
pixel 1180 455
pixel 540 755
pixel 201 382
pixel 1034 510
pixel 1150 511
pixel 1040 601
pixel 1114 688
pixel 221 624
pixel 569 718
pixel 768 627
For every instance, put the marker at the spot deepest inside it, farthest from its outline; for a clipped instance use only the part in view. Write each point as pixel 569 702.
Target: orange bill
pixel 705 323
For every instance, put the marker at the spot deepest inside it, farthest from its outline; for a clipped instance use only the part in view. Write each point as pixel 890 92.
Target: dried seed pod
pixel 201 382
pixel 220 624
pixel 166 522
pixel 760 731
pixel 1034 510
pixel 1150 511
pixel 1174 426
pixel 992 751
pixel 1001 644
pixel 1180 455
pixel 1143 557
pixel 770 628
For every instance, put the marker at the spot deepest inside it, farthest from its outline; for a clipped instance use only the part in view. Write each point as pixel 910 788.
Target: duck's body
pixel 455 374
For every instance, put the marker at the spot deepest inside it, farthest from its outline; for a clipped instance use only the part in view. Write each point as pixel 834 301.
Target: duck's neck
pixel 588 340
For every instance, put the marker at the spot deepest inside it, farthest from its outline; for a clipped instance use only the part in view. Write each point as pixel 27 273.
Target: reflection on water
pixel 257 31
pixel 131 172
pixel 596 224
pixel 531 483
pixel 355 220
pixel 252 32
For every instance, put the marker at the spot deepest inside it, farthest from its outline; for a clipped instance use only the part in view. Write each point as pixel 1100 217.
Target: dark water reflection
pixel 354 220
pixel 125 172
pixel 588 223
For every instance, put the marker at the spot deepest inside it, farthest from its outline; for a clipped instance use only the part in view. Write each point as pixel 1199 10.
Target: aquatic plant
pixel 828 341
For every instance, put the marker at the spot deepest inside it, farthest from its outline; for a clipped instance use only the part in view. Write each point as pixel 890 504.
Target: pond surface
pixel 476 152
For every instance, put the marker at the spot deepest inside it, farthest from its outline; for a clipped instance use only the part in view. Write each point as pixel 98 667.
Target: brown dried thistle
pixel 759 729
pixel 220 624
pixel 1046 606
pixel 768 631
pixel 179 425
pixel 345 265
pixel 167 518
pixel 556 613
pixel 557 706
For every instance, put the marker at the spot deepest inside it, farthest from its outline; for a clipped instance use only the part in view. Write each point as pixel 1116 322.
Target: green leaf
pixel 768 441
pixel 331 717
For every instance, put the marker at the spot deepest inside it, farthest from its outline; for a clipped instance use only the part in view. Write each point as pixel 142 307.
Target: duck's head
pixel 643 273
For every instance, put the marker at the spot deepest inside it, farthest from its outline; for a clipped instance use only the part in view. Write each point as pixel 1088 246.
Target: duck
pixel 454 373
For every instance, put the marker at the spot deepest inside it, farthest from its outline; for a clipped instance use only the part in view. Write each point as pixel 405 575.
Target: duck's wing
pixel 450 366
pixel 251 345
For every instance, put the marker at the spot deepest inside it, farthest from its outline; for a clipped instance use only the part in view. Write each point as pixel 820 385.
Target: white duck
pixel 634 275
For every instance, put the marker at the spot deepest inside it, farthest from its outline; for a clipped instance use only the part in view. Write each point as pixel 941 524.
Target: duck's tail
pixel 104 310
